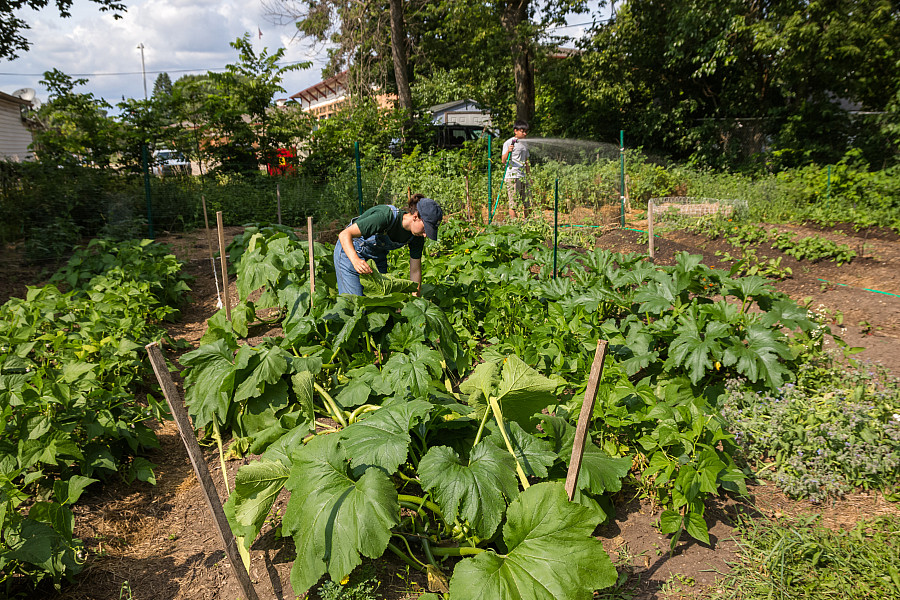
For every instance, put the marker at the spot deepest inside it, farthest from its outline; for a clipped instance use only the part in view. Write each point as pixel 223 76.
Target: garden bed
pixel 159 541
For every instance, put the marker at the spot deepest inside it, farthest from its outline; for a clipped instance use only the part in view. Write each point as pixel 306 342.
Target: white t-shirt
pixel 517 158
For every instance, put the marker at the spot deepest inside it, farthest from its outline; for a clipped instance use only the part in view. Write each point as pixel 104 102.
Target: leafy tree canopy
pixel 12 40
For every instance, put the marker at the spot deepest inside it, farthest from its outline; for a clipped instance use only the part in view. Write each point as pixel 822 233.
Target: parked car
pixel 453 135
pixel 446 136
pixel 169 162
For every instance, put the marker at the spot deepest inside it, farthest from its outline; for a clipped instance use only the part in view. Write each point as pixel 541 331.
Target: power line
pixel 137 72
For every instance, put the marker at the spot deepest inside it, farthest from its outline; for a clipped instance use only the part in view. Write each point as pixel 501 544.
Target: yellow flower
pixel 345 580
pixel 718 365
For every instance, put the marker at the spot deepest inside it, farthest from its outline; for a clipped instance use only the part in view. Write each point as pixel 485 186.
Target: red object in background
pixel 285 162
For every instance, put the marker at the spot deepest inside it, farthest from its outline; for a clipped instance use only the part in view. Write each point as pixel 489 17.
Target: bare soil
pixel 159 542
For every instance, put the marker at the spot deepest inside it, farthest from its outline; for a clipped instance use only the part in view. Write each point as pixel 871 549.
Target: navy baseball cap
pixel 431 214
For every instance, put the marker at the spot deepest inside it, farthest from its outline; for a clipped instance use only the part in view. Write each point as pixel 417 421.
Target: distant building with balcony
pixel 329 96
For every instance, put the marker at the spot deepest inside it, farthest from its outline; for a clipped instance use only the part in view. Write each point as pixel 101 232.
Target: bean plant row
pixel 440 428
pixel 72 409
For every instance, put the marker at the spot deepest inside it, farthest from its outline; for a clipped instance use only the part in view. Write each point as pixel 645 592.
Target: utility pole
pixel 143 71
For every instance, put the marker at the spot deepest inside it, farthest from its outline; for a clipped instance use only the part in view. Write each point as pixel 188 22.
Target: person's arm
pixel 345 238
pixel 507 148
pixel 415 273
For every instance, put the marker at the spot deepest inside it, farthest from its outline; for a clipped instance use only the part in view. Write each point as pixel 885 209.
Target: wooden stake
pixel 186 429
pixel 224 265
pixel 312 263
pixel 584 419
pixel 278 196
pixel 212 259
pixel 650 207
pixel 468 201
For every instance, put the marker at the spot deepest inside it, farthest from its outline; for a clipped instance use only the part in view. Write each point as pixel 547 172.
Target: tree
pixel 491 45
pixel 11 26
pixel 241 115
pixel 162 86
pixel 722 80
pixel 75 128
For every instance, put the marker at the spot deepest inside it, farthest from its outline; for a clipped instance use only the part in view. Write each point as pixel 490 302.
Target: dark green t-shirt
pixel 380 219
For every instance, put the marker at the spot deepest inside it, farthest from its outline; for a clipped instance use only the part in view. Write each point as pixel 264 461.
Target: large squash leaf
pixel 522 391
pixel 256 486
pixel 333 518
pixel 476 490
pixel 209 382
pixel 551 553
pixel 413 372
pixel 268 365
pixel 599 472
pixel 534 454
pixel 379 284
pixel 382 439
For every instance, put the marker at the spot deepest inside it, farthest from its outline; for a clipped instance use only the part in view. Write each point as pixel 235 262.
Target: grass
pixel 799 559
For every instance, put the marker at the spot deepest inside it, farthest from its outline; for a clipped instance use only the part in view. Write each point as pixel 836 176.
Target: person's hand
pixel 361 266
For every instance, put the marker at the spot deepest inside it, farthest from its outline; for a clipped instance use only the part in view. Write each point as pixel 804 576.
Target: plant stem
pixel 365 408
pixel 218 437
pixel 409 559
pixel 420 502
pixel 332 405
pixel 481 427
pixel 457 551
pixel 495 407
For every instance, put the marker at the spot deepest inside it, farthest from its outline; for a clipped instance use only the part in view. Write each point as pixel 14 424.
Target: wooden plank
pixel 312 262
pixel 224 260
pixel 186 429
pixel 650 206
pixel 584 419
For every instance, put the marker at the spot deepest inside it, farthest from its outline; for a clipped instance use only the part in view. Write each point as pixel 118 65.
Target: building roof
pixel 449 105
pixel 15 99
pixel 329 87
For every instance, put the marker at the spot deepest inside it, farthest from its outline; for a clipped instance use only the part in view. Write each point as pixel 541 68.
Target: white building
pixel 460 112
pixel 15 137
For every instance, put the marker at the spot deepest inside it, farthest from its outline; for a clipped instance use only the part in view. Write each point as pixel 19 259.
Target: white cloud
pixel 178 35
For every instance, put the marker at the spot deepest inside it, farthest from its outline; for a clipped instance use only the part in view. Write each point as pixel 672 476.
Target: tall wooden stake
pixel 186 429
pixel 224 264
pixel 212 259
pixel 278 195
pixel 312 262
pixel 650 206
pixel 584 419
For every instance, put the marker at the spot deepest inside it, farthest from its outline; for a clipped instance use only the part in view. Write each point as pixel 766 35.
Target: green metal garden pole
pixel 145 158
pixel 358 178
pixel 622 173
pixel 490 180
pixel 555 223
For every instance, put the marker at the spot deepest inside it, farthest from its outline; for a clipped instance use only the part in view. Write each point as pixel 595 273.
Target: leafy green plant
pixel 71 365
pixel 821 439
pixel 368 408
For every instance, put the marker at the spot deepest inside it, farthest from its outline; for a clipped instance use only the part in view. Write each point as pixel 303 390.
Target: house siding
pixel 14 136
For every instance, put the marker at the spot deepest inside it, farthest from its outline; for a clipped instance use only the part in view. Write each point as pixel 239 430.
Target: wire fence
pixel 47 210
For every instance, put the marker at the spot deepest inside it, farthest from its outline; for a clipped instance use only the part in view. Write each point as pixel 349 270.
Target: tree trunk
pixel 515 14
pixel 398 51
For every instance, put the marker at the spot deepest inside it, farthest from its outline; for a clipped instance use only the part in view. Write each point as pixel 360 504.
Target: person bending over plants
pixel 380 230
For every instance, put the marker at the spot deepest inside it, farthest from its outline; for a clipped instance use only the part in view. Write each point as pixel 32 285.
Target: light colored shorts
pixel 517 192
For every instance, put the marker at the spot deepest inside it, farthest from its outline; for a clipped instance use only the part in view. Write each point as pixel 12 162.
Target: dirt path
pixel 158 542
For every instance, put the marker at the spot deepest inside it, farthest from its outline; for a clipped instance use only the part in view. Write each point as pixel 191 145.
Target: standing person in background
pixel 516 183
pixel 378 231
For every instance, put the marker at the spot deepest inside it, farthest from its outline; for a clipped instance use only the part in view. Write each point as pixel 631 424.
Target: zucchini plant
pixel 446 419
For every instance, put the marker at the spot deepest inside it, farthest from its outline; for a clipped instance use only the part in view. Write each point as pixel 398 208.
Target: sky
pixel 179 37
